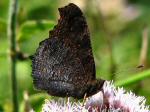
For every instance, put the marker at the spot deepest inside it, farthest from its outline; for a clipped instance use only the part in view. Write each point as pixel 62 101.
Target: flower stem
pixel 12 47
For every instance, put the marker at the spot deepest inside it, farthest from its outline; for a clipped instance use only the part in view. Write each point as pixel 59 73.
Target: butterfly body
pixel 63 65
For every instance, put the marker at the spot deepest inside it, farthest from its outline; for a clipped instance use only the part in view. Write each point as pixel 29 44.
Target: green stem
pixel 12 46
pixel 133 79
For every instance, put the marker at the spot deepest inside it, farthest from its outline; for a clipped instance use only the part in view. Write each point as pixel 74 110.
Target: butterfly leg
pixel 84 99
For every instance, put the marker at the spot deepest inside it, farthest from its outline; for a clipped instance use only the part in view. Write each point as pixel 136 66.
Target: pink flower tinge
pixel 117 99
pixel 110 99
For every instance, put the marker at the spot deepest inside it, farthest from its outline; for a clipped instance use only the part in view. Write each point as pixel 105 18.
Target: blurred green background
pixel 119 35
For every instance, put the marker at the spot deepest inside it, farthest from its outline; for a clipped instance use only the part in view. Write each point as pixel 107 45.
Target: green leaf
pixel 3 27
pixel 134 79
pixel 31 33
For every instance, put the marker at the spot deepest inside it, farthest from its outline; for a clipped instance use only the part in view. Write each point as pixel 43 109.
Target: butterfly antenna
pixel 129 70
pixel 140 66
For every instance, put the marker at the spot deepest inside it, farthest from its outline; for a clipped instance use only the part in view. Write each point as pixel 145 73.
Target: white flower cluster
pixel 62 106
pixel 111 99
pixel 118 98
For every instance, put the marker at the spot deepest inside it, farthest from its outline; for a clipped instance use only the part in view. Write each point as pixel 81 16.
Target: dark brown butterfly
pixel 63 65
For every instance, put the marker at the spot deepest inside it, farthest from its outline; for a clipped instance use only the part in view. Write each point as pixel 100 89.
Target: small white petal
pixel 95 100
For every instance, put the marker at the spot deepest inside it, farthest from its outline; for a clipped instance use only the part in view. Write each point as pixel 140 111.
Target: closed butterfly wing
pixel 63 65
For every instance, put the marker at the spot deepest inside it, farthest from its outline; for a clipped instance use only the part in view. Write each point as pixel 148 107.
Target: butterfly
pixel 63 64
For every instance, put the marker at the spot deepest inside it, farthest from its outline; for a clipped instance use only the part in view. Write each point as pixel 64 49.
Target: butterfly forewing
pixel 64 64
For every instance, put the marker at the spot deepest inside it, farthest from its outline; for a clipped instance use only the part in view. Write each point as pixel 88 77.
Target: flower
pixel 62 106
pixel 110 99
pixel 117 99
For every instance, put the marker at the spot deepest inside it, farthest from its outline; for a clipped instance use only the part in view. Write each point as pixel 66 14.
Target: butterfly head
pixel 95 86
